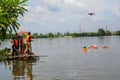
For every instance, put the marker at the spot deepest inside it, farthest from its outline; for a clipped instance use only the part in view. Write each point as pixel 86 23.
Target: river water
pixel 67 61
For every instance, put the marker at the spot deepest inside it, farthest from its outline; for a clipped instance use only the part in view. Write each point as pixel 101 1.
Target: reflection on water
pixel 20 69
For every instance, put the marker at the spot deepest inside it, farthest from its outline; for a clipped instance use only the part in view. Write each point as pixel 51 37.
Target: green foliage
pixel 108 33
pixel 3 54
pixel 93 34
pixel 35 35
pixel 76 35
pixel 59 34
pixel 50 35
pixel 9 12
pixel 84 34
pixel 67 34
pixel 117 32
pixel 101 32
pixel 56 35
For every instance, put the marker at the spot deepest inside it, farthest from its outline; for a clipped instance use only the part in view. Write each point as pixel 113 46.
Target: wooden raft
pixel 26 57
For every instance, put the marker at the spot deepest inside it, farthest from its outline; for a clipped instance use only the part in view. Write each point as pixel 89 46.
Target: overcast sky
pixel 45 16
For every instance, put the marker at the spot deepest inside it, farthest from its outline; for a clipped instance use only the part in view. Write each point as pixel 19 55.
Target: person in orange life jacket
pixel 17 43
pixel 21 43
pixel 13 46
pixel 85 49
pixel 28 44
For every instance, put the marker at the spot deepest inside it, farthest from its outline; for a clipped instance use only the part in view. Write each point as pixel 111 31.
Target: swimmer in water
pixel 85 49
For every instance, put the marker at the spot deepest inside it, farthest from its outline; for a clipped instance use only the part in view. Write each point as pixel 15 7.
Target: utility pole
pixel 80 28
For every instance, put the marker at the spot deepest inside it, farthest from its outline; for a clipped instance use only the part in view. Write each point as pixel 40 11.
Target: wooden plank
pixel 27 56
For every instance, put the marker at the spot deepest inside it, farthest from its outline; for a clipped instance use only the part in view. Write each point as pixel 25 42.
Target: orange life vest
pixel 28 38
pixel 16 42
pixel 13 42
pixel 21 42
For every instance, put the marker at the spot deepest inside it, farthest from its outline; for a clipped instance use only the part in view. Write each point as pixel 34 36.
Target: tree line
pixel 101 32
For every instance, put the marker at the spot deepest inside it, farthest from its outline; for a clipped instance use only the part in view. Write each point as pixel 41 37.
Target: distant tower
pixel 80 28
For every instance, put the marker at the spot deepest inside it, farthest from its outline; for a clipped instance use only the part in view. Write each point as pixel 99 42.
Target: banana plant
pixel 10 10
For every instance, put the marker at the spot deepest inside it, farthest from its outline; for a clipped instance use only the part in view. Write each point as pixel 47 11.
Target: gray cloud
pixel 64 15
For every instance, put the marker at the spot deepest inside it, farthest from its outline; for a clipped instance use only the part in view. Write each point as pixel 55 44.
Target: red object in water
pixel 94 47
pixel 105 46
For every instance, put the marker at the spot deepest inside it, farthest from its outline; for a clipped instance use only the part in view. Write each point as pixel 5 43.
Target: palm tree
pixel 9 12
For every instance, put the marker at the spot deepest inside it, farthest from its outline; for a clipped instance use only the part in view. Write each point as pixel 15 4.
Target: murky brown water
pixel 67 61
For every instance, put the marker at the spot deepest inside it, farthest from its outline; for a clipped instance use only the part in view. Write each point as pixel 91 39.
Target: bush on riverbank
pixel 3 54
